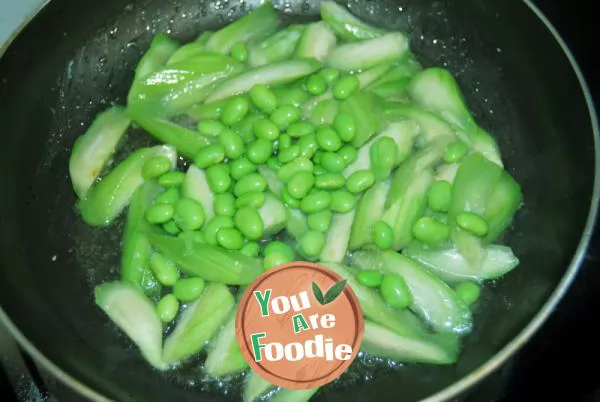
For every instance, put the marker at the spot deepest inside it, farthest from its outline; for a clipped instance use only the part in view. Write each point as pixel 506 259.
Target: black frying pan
pixel 75 57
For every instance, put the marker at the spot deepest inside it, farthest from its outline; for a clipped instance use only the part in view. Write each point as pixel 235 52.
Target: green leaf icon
pixel 334 292
pixel 317 292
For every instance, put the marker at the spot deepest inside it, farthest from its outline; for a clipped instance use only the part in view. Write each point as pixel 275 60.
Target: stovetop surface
pixel 559 363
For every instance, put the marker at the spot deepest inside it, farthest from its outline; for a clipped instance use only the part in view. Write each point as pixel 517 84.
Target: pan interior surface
pixel 76 58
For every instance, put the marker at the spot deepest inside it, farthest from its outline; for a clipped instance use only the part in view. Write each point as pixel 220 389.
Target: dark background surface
pixel 559 363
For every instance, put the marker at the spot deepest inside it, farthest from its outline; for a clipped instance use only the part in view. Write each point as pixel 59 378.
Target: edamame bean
pixel 266 129
pixel 285 141
pixel 345 126
pixel 472 223
pixel 259 151
pixel 224 204
pixel 455 152
pixel 214 225
pixel 210 155
pixel 171 179
pixel 300 164
pixel 241 167
pixel 308 145
pixel 318 156
pixel 395 291
pixel 210 128
pixel 169 196
pixel 281 248
pixel 316 85
pixel 342 201
pixel 429 231
pixel 273 163
pixel 328 139
pixel 159 213
pixel 315 202
pixel 249 222
pixel 274 259
pixel 469 292
pixel 329 181
pixel 251 249
pixel 383 235
pixel 348 154
pixel 288 199
pixel 239 52
pixel 289 154
pixel 284 116
pixel 253 199
pixel 263 98
pixel 319 170
pixel 312 243
pixel 245 128
pixel 300 184
pixel 320 221
pixel 300 129
pixel 250 183
pixel 188 289
pixel 439 196
pixel 189 214
pixel 235 110
pixel 171 227
pixel 199 237
pixel 230 238
pixel 218 178
pixel 383 155
pixel 360 181
pixel 369 278
pixel 164 270
pixel 155 167
pixel 345 87
pixel 333 162
pixel 291 96
pixel 232 143
pixel 330 74
pixel 167 308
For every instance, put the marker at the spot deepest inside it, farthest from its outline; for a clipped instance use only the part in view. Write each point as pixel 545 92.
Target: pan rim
pixel 497 360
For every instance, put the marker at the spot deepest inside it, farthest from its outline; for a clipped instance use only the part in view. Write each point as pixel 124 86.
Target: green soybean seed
pixel 171 227
pixel 259 151
pixel 218 178
pixel 383 155
pixel 330 74
pixel 285 141
pixel 284 116
pixel 439 196
pixel 308 145
pixel 312 243
pixel 159 213
pixel 300 184
pixel 214 225
pixel 230 238
pixel 315 202
pixel 348 154
pixel 318 156
pixel 251 249
pixel 383 235
pixel 274 259
pixel 280 247
pixel 300 164
pixel 171 179
pixel 241 167
pixel 370 278
pixel 300 129
pixel 199 237
pixel 163 269
pixel 235 111
pixel 239 52
pixel 169 196
pixel 329 181
pixel 316 85
pixel 253 182
pixel 209 156
pixel 429 231
pixel 263 98
pixel 232 143
pixel 345 126
pixel 395 291
pixel 319 170
pixel 155 167
pixel 224 204
pixel 289 154
pixel 210 128
pixel 320 221
pixel 249 222
pixel 188 289
pixel 342 201
pixel 333 162
pixel 253 199
pixel 328 139
pixel 360 181
pixel 455 152
pixel 288 199
pixel 189 214
pixel 273 163
pixel 291 96
pixel 469 292
pixel 245 128
pixel 266 129
pixel 167 308
pixel 472 223
pixel 345 87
